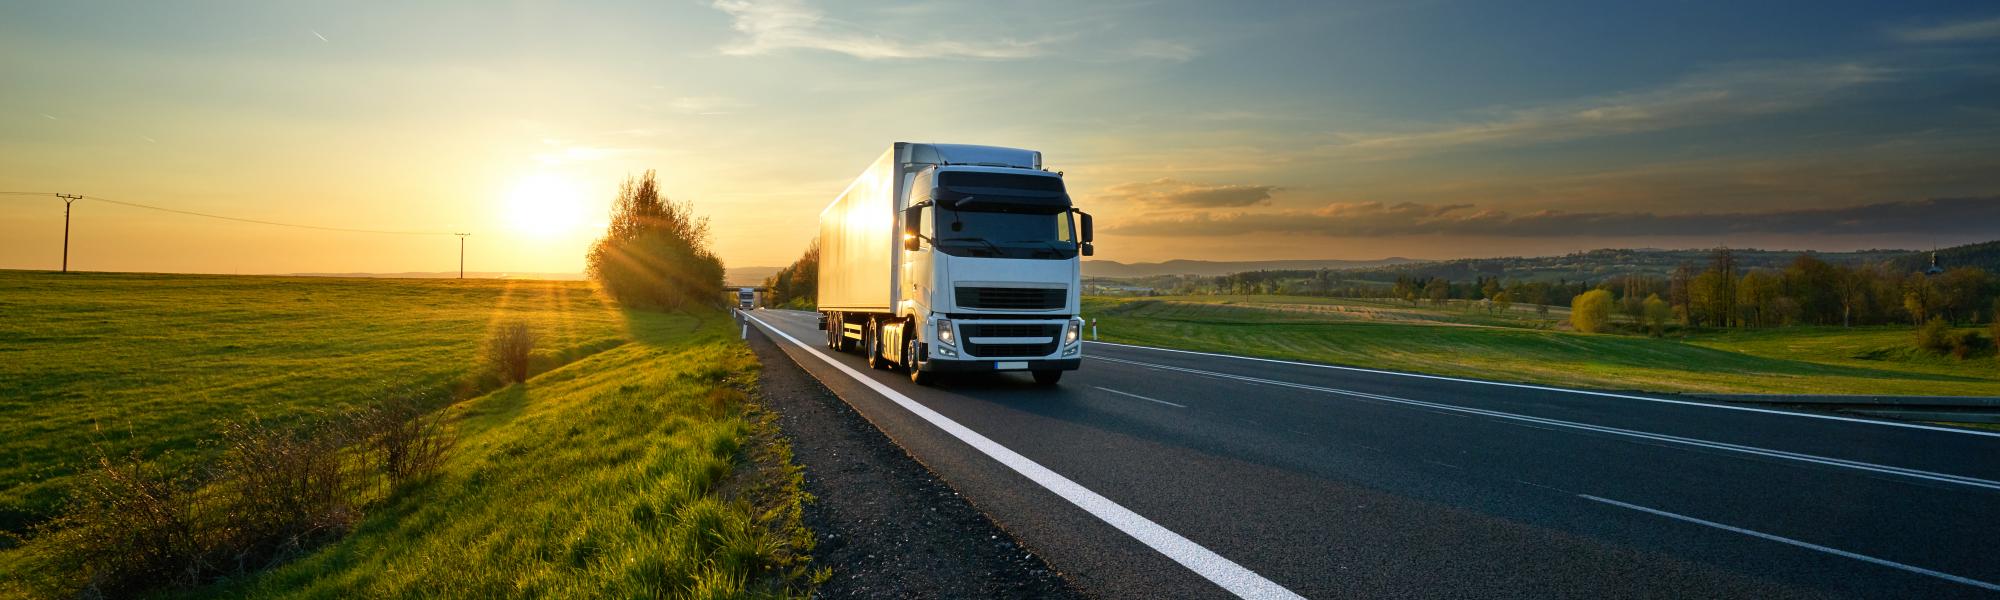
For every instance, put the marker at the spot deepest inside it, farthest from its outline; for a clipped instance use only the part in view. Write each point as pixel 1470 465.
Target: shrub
pixel 509 350
pixel 1965 343
pixel 129 526
pixel 284 489
pixel 1590 311
pixel 407 440
pixel 1934 336
pixel 1657 313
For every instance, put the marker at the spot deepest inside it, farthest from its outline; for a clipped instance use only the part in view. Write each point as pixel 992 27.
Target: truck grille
pixel 973 330
pixel 1005 298
pixel 1007 350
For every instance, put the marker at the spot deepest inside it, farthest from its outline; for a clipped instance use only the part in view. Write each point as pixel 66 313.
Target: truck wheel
pixel 871 343
pixel 1049 377
pixel 917 375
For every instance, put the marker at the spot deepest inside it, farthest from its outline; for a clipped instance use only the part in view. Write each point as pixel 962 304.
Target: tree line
pixel 1718 294
pixel 796 285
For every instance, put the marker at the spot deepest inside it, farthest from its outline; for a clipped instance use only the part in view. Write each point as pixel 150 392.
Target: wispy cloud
pixel 1706 98
pixel 773 25
pixel 316 34
pixel 705 105
pixel 1960 31
pixel 1376 219
pixel 1174 193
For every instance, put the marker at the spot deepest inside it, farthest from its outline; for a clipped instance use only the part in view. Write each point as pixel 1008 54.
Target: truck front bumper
pixel 993 366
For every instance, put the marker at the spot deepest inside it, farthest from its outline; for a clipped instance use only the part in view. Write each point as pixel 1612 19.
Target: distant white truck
pixel 953 258
pixel 746 298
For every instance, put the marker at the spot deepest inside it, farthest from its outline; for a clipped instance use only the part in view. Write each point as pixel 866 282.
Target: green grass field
pixel 1522 346
pixel 148 363
pixel 630 465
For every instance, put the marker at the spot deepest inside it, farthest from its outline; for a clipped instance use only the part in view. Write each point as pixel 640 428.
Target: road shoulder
pixel 884 524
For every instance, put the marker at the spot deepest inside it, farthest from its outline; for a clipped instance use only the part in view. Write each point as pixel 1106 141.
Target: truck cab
pixel 986 267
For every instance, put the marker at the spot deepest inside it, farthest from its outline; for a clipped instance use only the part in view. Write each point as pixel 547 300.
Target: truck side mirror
pixel 1087 238
pixel 913 217
pixel 1088 250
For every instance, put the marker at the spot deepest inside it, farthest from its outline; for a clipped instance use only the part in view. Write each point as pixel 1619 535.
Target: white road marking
pixel 1571 391
pixel 1658 437
pixel 1204 562
pixel 1807 545
pixel 1138 396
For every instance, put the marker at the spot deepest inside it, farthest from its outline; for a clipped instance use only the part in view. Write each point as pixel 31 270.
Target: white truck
pixel 947 258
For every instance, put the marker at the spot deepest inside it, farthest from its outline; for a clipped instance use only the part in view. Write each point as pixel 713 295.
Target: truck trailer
pixel 950 258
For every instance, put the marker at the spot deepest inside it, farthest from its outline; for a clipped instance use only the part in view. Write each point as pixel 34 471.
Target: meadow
pixel 631 463
pixel 1523 346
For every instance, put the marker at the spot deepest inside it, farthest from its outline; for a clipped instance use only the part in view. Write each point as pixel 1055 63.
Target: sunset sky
pixel 1201 130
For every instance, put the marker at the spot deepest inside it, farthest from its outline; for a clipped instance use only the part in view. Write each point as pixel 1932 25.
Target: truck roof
pixel 968 154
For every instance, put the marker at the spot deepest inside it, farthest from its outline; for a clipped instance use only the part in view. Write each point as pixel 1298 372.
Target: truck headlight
pixel 1074 332
pixel 944 333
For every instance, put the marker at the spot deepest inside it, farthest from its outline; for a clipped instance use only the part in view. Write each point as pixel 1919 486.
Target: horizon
pixel 1356 132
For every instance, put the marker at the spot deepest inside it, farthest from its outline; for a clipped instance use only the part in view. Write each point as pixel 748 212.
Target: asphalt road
pixel 1153 473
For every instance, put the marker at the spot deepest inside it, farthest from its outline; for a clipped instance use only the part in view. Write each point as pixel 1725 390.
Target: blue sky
pixel 1194 130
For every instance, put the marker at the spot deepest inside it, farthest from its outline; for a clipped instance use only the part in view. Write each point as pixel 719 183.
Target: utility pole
pixel 461 254
pixel 67 199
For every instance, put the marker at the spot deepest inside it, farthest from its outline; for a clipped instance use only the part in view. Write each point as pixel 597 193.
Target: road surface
pixel 1158 473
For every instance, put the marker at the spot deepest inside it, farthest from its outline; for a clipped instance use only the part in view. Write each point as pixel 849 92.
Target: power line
pixel 229 218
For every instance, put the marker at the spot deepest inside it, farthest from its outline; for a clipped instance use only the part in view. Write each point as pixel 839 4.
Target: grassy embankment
pixel 631 465
pixel 1520 345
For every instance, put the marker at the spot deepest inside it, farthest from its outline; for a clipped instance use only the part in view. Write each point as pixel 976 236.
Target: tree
pixel 1678 292
pixel 1657 314
pixel 1438 290
pixel 655 253
pixel 1590 311
pixel 1503 301
pixel 798 284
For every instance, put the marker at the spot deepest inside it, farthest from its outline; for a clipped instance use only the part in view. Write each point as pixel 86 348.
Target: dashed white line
pixel 1139 397
pixel 1807 545
pixel 1233 577
pixel 1567 391
pixel 1631 433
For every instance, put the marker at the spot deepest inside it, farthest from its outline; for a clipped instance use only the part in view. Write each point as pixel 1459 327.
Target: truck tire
pixel 1047 377
pixel 871 344
pixel 917 375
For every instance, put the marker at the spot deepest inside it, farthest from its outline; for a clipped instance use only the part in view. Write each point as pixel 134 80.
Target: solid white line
pixel 1138 396
pixel 1569 391
pixel 1837 462
pixel 1807 545
pixel 1204 562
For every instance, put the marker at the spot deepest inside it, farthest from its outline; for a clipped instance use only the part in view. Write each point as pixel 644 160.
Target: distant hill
pixel 748 276
pixel 1115 269
pixel 1985 255
pixel 452 274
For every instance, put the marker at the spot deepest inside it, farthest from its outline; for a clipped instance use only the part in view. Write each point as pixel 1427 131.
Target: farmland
pixel 1521 345
pixel 642 414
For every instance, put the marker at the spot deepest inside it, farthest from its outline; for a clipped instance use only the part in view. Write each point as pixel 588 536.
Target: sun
pixel 545 205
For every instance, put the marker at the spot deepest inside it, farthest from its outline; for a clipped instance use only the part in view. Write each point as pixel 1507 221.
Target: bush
pixel 655 253
pixel 130 526
pixel 1934 336
pixel 509 350
pixel 1965 343
pixel 276 492
pixel 1656 313
pixel 1590 311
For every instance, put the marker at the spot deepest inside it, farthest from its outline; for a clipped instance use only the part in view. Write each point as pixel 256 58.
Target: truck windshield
pixel 1005 234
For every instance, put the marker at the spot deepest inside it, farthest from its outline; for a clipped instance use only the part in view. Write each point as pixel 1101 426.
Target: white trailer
pixel 955 258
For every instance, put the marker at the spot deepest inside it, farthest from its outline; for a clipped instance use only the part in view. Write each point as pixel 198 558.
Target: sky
pixel 1191 130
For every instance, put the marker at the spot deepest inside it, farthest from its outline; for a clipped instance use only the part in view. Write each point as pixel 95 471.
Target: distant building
pixel 1934 268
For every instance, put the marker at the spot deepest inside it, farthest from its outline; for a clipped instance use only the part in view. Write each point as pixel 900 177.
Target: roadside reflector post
pixel 1093 330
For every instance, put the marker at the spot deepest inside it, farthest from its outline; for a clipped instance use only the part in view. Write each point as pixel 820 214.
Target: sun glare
pixel 545 205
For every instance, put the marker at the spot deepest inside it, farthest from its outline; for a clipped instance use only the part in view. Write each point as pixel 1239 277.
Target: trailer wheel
pixel 1047 377
pixel 917 375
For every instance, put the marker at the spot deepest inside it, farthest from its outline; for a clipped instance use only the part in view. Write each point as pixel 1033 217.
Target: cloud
pixel 1706 98
pixel 705 105
pixel 1177 193
pixel 772 25
pixel 1941 216
pixel 1962 31
pixel 1167 50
